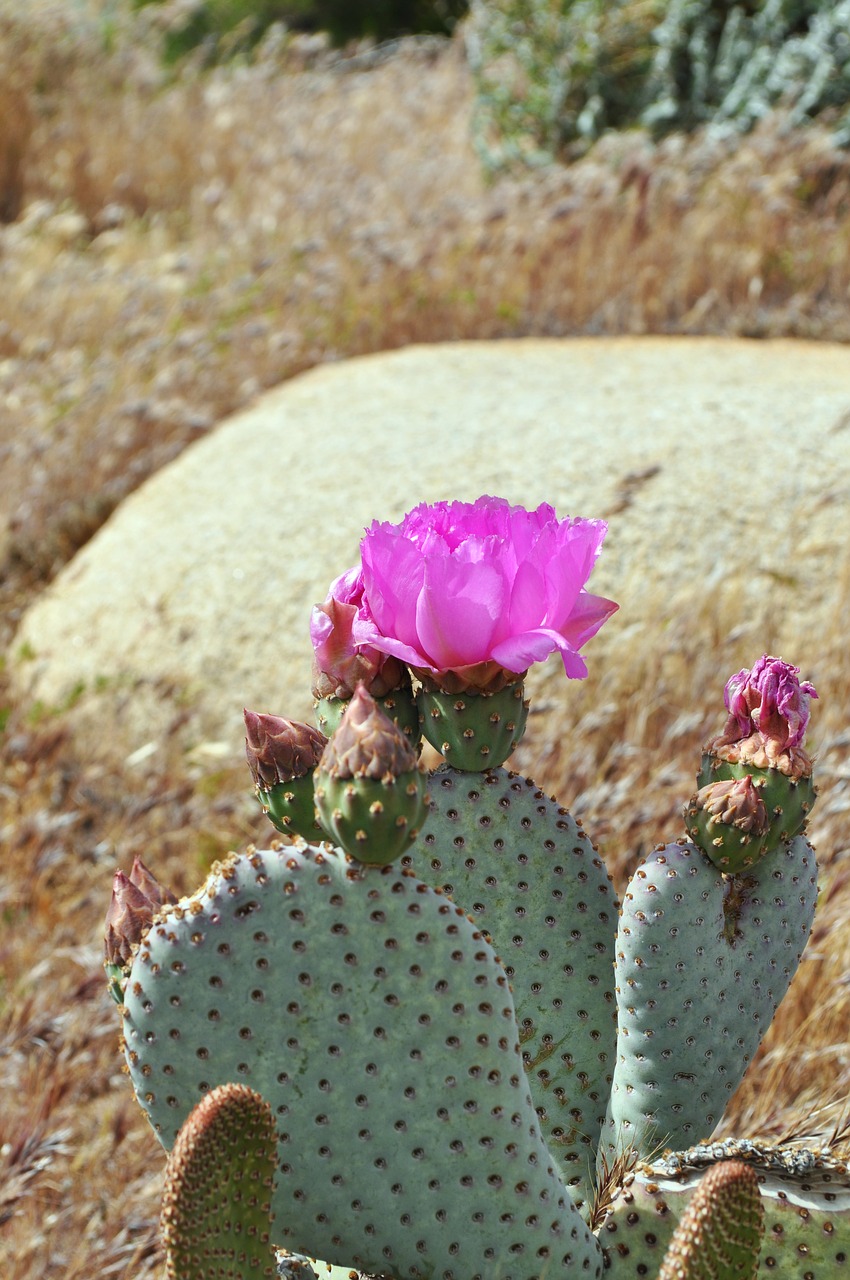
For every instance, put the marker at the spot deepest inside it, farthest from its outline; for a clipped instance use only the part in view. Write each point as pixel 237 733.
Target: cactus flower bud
pixel 282 755
pixel 736 802
pixel 143 878
pixel 340 663
pixel 367 744
pixel 135 900
pixel 127 920
pixel 370 792
pixel 279 750
pixel 730 817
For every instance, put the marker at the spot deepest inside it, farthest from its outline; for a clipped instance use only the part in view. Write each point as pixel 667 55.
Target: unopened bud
pixel 279 750
pixel 143 878
pixel 370 792
pixel 127 920
pixel 367 743
pixel 736 803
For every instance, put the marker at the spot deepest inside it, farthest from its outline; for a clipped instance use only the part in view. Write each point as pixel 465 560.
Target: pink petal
pixel 458 608
pixel 519 652
pixel 587 616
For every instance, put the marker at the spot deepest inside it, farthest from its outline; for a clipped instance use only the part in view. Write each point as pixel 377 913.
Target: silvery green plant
pixel 470 1053
pixel 552 78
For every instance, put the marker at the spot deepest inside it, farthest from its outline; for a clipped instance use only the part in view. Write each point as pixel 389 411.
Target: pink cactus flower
pixel 460 585
pixel 768 712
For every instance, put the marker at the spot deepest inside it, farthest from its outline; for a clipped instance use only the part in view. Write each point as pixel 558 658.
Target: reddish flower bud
pixel 340 663
pixel 279 750
pixel 127 920
pixel 367 743
pixel 735 802
pixel 143 878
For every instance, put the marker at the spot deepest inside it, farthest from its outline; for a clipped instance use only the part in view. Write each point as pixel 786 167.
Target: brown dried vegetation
pixel 173 245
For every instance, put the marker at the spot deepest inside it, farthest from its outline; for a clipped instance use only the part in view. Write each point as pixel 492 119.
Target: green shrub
pixel 553 75
pixel 229 25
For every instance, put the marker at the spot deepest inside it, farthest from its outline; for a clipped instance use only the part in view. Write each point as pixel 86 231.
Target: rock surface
pixel 715 461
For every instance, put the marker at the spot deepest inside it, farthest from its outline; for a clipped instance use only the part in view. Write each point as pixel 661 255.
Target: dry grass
pixel 173 246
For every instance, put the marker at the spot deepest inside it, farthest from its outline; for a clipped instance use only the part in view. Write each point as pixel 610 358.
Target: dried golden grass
pixel 174 246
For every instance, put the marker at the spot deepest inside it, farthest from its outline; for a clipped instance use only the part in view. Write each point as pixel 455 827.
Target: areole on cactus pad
pixel 470 1053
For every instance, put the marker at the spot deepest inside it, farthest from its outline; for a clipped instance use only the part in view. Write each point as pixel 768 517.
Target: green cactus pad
pixel 528 873
pixel 701 966
pixel 473 731
pixel 375 1017
pixel 373 819
pixel 399 705
pixel 219 1181
pixel 291 807
pixel 788 801
pixel 805 1197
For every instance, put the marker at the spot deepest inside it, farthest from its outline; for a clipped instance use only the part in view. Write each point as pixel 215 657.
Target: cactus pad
pixel 377 1020
pixel 530 876
pixel 805 1196
pixel 702 963
pixel 218 1189
pixel 472 730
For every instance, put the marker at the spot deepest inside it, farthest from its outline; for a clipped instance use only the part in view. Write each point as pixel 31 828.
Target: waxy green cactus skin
pixel 290 807
pixel 399 705
pixel 533 880
pixel 376 1019
pixel 702 963
pixel 805 1196
pixel 473 731
pixel 373 819
pixel 216 1206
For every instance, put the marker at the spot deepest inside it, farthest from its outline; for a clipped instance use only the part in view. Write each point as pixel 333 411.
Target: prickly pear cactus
pixel 376 1019
pixel 532 879
pixel 463 1047
pixel 702 962
pixel 805 1197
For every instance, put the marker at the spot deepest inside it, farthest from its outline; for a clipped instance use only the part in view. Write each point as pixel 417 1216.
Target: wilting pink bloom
pixel 340 663
pixel 768 710
pixel 457 584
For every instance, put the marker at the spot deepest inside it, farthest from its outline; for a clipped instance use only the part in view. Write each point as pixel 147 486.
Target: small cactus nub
pixel 216 1217
pixel 720 1233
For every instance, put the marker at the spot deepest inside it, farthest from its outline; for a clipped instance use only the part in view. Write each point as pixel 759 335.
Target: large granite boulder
pixel 723 467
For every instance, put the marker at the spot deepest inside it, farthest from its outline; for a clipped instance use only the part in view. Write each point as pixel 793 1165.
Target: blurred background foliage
pixel 226 25
pixel 551 78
